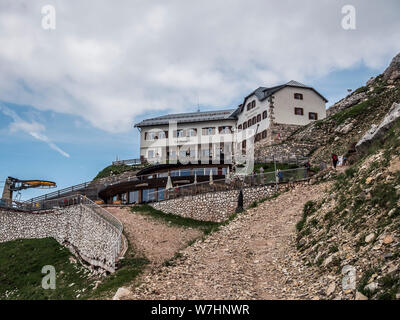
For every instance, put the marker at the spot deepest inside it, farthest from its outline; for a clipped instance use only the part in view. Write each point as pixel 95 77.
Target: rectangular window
pixel 240 127
pixel 253 104
pixel 133 197
pixel 150 154
pixel 205 152
pixel 264 134
pixel 160 194
pixel 162 175
pixel 208 170
pixel 249 123
pixel 299 111
pixel 175 173
pixel 185 172
pixel 248 106
pixel 244 125
pixel 313 116
pixel 259 118
pixel 244 144
pixel 298 96
pixel 264 116
pixel 161 135
pixel 191 132
pixel 208 131
pixel 198 171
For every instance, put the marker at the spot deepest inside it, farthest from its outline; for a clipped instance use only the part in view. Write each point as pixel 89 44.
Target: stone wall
pixel 263 152
pixel 213 206
pixel 76 227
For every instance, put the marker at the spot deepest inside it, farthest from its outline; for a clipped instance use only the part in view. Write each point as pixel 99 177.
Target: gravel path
pixel 253 257
pixel 156 240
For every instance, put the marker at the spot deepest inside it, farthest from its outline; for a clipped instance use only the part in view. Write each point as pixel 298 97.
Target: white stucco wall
pixel 285 103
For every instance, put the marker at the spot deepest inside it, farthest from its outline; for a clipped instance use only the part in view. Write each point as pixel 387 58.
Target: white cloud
pixel 33 128
pixel 110 63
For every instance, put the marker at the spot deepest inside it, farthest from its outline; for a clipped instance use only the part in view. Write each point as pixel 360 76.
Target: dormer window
pixel 298 96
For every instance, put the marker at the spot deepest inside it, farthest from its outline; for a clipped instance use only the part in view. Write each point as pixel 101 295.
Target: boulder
pixel 388 239
pixel 331 289
pixel 378 132
pixel 369 238
pixel 371 287
pixel 122 294
pixel 360 296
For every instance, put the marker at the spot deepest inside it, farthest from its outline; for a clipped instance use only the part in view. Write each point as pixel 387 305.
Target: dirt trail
pixel 156 240
pixel 253 257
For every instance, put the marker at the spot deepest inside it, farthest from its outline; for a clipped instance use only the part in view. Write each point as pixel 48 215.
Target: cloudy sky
pixel 69 96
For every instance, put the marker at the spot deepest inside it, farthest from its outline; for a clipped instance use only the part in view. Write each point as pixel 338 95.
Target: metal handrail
pixel 128 162
pixel 77 187
pixel 234 183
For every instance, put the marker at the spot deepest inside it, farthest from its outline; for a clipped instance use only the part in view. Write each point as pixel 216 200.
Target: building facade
pixel 266 114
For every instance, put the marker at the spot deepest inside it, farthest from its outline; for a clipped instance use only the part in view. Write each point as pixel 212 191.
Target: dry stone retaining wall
pixel 213 206
pixel 77 227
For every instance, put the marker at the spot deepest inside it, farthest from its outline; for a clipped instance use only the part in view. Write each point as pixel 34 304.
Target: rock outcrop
pixel 392 73
pixel 377 132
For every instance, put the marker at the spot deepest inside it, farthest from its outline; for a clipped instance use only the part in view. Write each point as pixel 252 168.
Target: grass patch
pixel 130 267
pixel 309 208
pixel 352 112
pixel 21 263
pixel 205 226
pixel 114 169
pixel 364 281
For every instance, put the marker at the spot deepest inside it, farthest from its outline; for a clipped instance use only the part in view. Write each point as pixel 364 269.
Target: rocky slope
pixel 353 232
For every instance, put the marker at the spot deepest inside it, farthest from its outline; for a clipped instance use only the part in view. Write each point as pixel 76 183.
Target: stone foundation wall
pixel 279 132
pixel 217 206
pixel 288 150
pixel 75 227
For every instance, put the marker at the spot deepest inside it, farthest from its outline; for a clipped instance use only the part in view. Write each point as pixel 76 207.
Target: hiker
pixel 279 176
pixel 344 160
pixel 261 175
pixel 334 160
pixel 307 166
pixel 340 162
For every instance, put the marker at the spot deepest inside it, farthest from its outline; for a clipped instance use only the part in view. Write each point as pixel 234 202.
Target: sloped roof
pixel 188 117
pixel 263 93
